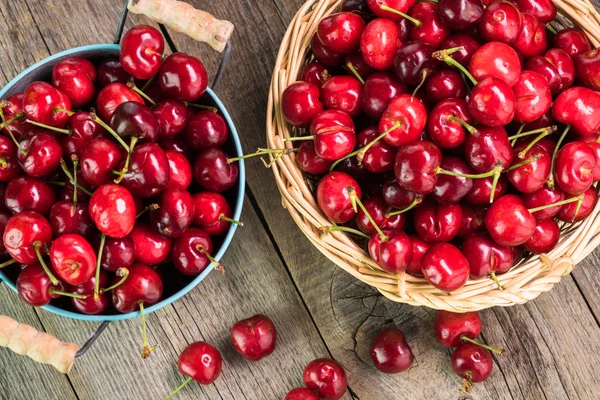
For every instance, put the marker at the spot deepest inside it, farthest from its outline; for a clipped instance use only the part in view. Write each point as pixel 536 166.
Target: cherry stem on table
pixel 146 351
pixel 7 263
pixel 17 117
pixel 230 220
pixel 260 152
pixel 408 17
pixel 36 247
pixel 499 350
pixel 558 203
pixel 103 124
pixel 184 384
pixel 123 273
pixel 218 265
pixel 50 128
pixel 470 128
pixel 550 180
pixel 524 162
pixel 337 228
pixel 136 89
pixel 98 262
pixel 355 201
pixel 68 294
pixel 355 72
pixel 200 106
pixel 415 203
pixel 494 277
pixel 444 55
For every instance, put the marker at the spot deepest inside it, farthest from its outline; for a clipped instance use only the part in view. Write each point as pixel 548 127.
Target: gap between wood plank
pixel 587 303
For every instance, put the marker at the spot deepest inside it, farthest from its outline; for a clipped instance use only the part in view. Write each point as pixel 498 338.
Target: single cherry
pixel 580 209
pixel 445 267
pixel 174 214
pixel 572 41
pixel 213 172
pixel 379 89
pixel 341 32
pixel 212 213
pixel 113 210
pixel 543 197
pixel 191 252
pixel 390 352
pixel 564 66
pixel 334 134
pixel 501 22
pixel 111 71
pixel 181 175
pixel 532 38
pixel 35 287
pixel 13 111
pixel 409 113
pixel 436 223
pixel 39 154
pixel 429 27
pixel 206 129
pixel 66 217
pixel 496 59
pixel 492 102
pixel 451 329
pixel 99 158
pixel 327 377
pixel 392 251
pixel 254 338
pixel 25 235
pixel 82 129
pixel 301 394
pixel 472 363
pixel 509 222
pixel 543 10
pixel 486 257
pixel 445 84
pixel 574 166
pixel 300 103
pixel 25 193
pixel 92 305
pixel 45 104
pixel 315 73
pixel 459 15
pixel 445 122
pixel 414 62
pixel 172 117
pixel 308 160
pixel 324 55
pixel 420 247
pixel 334 196
pixel 343 93
pixel 141 51
pixel 379 42
pixel 183 77
pixel 75 77
pixel 135 120
pixel 73 259
pixel 148 172
pixel 544 238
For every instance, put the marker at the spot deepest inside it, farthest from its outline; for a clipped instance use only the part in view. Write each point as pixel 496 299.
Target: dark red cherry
pixel 24 232
pixel 545 68
pixel 254 338
pixel 13 110
pixel 533 97
pixel 452 189
pixel 175 213
pixel 378 210
pixel 501 22
pixel 111 71
pixel 212 213
pixel 9 166
pixel 580 108
pixel 134 119
pixel 334 134
pixel 300 103
pixel 142 286
pixel 486 256
pixel 379 42
pixel 574 167
pixel 113 210
pixel 544 238
pixel 468 47
pixel 327 377
pixel 407 111
pixel 91 305
pixel 459 15
pixel 543 10
pixel 73 259
pixel 532 39
pixel 543 197
pixel 35 287
pixel 509 222
pixel 148 172
pixel 481 191
pixel 315 73
pixel 573 212
pixel 150 247
pixel 431 30
pixel 213 172
pixel 301 394
pixel 25 193
pixel 416 166
pixel 414 62
pixel 333 196
pixel 45 104
pixel 75 77
pixel 308 160
pixel 445 267
pixel 492 102
pixel 206 129
pixel 341 32
pixel 450 328
pixel 444 123
pixel 532 176
pixel 445 84
pixel 389 8
pixel 112 96
pixel 436 223
pixel 183 77
pixel 420 247
pixel 191 251
pixel 472 220
pixel 65 217
pixel 83 129
pixel 117 253
pixel 572 41
pixel 390 352
pixel 496 59
pixel 564 65
pixel 99 158
pixel 141 51
pixel 380 156
pixel 180 176
pixel 587 65
pixel 379 89
pixel 472 362
pixel 324 55
pixel 396 196
pixel 343 93
pixel 39 155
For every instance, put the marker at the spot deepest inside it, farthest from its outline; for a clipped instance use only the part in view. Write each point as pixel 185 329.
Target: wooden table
pixel 320 311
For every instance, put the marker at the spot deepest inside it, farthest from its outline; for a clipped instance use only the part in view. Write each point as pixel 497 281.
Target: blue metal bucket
pixel 42 71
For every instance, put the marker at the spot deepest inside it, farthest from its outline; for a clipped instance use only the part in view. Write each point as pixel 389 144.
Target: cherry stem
pixel 63 184
pixel 545 132
pixel 62 110
pixel 520 134
pixel 145 349
pixel 103 124
pixel 230 220
pixel 355 72
pixel 558 203
pixel 17 117
pixel 496 178
pixel 3 162
pixel 75 162
pixel 50 128
pixel 7 263
pixel 184 384
pixel 121 173
pixel 63 165
pixel 147 83
pixel 200 106
pixel 550 180
pixel 217 265
pixel 124 274
pixel 524 162
pixel 467 383
pixel 498 350
pixel 260 152
pixel 354 200
pixel 472 130
pixel 98 262
pixel 360 153
pixel 488 174
pixel 298 138
pixel 333 228
pixel 136 89
pixel 408 17
pixel 423 79
pixel 495 279
pixel 551 29
pixel 2 118
pixel 577 207
pixel 67 294
pixel 150 207
pixel 415 203
pixel 36 247
pixel 444 55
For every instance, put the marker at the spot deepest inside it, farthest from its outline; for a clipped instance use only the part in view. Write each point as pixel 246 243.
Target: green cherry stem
pixel 50 128
pixel 2 118
pixel 151 207
pixel 7 263
pixel 17 117
pixel 494 277
pixel 524 162
pixel 551 29
pixel 470 128
pixel 544 132
pixel 132 86
pixel 103 124
pixel 550 180
pixel 408 17
pixel 512 143
pixel 98 262
pixel 558 203
pixel 146 351
pixel 36 247
pixel 124 274
pixel 75 163
pixel 121 173
pixel 200 106
pixel 354 200
pixel 260 152
pixel 231 220
pixel 184 384
pixel 335 228
pixel 355 72
pixel 500 350
pixel 67 294
pixel 217 264
pixel 424 74
pixel 63 184
pixel 520 134
pixel 147 83
pixel 298 138
pixel 444 55
pixel 418 200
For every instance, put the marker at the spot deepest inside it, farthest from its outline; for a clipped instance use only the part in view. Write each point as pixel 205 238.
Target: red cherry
pixel 23 233
pixel 175 213
pixel 9 166
pixel 416 166
pixel 396 196
pixel 501 21
pixel 201 362
pixel 113 210
pixel 495 59
pixel 379 89
pixel 212 213
pixel 392 253
pixel 492 102
pixel 485 256
pixel 334 134
pixel 543 197
pixel 342 93
pixel 172 117
pixel 574 166
pixel 420 247
pixel 472 220
pixel 410 114
pixel 191 252
pixel 378 211
pixel 183 77
pixel 379 42
pixel 254 338
pixel 460 15
pixel 341 32
pixel 83 129
pixel 75 77
pixel 213 172
pixel 389 8
pixel 430 30
pixel 591 141
pixel 472 362
pixel 141 51
pixel 308 160
pixel 414 62
pixel 65 217
pixel 142 286
pixel 587 65
pixel 99 158
pixel 445 84
pixel 35 287
pixel 324 55
pixel 444 122
pixel 452 189
pixel 545 68
pixel 572 41
pixel 300 103
pixel 301 394
pixel 315 73
pixel 148 173
pixel 468 46
pixel 543 10
pixel 564 65
pixel 487 148
pixel 117 253
pixel 437 223
pixel 73 259
pixel 43 103
pixel 134 119
pixel 579 107
pixel 450 328
pixel 180 176
pixel 533 97
pixel 333 196
pixel 151 248
pixel 390 352
pixel 39 155
pixel 531 176
pixel 206 129
pixel 91 305
pixel 380 156
pixel 13 110
pixel 111 71
pixel 445 267
pixel 509 222
pixel 25 193
pixel 573 212
pixel 544 238
pixel 532 39
pixel 112 96
pixel 327 377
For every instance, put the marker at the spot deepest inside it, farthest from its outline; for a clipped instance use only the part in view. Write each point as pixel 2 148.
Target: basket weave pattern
pixel 524 282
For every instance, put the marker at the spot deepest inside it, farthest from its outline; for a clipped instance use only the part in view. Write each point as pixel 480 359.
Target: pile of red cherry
pixel 103 182
pixel 449 110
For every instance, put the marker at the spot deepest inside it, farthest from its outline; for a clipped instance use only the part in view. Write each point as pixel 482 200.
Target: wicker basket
pixel 524 282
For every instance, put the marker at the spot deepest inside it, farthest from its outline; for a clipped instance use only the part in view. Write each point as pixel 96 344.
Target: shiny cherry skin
pixel 189 251
pixel 73 259
pixel 141 51
pixel 41 102
pixel 4 217
pixel 213 172
pixel 532 38
pixel 334 134
pixel 254 338
pixel 587 65
pixel 134 119
pixel 112 96
pixel 452 189
pixel 570 213
pixel 487 148
pixel 378 7
pixel 445 267
pixel 392 255
pixel 459 15
pixel 574 166
pixel 533 97
pixel 379 42
pixel 564 66
pixel 183 77
pixel 379 89
pixel 75 77
pixel 572 41
pixel 9 166
pixel 181 175
pixel 175 213
pixel 543 66
pixel 327 377
pixel 315 73
pixel 143 285
pixel 508 222
pixel 412 116
pixel 472 362
pixel 416 165
pixel 486 256
pixel 117 253
pixel 83 129
pixel 39 155
pixel 579 107
pixel 390 352
pixel 431 30
pixel 396 196
pixel 468 44
pixel 380 156
pixel 91 305
pixel 172 117
pixel 496 59
pixel 333 196
pixel 33 286
pixel 148 172
pixel 151 248
pixel 308 160
pixel 111 71
pixel 472 219
pixel 324 55
pixel 532 176
pixel 420 247
pixel 543 197
pixel 378 210
pixel 25 193
pixel 210 209
pixel 12 108
pixel 445 84
pixel 501 22
pixel 492 102
pixel 113 210
pixel 68 218
pixel 201 362
pixel 442 129
pixel 436 223
pixel 343 93
pixel 300 103
pixel 451 327
pixel 543 10
pixel 23 232
pixel 98 159
pixel 301 394
pixel 591 141
pixel 414 61
pixel 341 32
pixel 545 237
pixel 206 129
